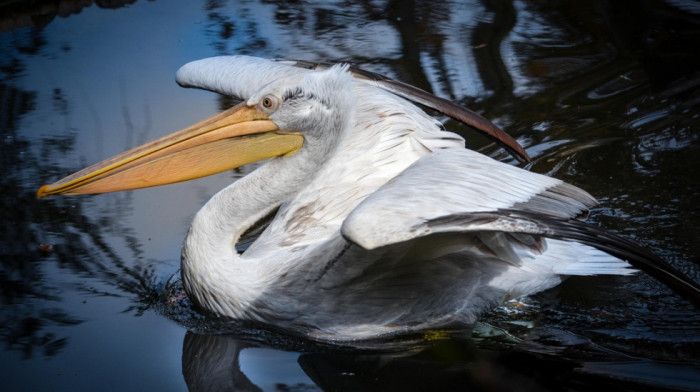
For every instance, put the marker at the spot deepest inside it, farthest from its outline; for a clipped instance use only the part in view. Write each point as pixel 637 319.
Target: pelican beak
pixel 233 138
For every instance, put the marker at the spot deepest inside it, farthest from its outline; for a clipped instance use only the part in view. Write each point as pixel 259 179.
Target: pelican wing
pixel 462 191
pixel 456 181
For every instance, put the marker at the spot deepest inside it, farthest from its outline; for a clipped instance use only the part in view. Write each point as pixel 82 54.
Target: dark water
pixel 603 94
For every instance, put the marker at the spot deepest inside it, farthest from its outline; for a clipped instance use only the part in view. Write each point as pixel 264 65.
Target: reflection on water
pixel 602 94
pixel 59 233
pixel 222 363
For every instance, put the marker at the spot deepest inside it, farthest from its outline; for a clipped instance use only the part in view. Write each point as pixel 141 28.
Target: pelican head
pixel 289 115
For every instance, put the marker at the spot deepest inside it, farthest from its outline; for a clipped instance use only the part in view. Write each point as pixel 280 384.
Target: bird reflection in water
pixel 217 362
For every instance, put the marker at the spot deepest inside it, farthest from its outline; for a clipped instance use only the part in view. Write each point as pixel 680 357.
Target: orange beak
pixel 228 140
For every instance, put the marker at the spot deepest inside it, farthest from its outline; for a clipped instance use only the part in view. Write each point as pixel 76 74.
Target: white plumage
pixel 386 223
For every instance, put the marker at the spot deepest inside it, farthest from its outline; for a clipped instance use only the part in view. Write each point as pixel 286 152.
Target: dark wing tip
pixel 622 248
pixel 533 223
pixel 459 113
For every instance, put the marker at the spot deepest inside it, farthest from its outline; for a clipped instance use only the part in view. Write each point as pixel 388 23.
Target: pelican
pixel 384 223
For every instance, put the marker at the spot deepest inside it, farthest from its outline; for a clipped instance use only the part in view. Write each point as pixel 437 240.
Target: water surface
pixel 604 95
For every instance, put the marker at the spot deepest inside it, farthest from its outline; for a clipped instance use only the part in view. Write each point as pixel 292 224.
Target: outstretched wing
pixel 454 181
pixel 456 190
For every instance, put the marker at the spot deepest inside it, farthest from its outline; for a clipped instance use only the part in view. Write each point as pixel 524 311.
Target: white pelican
pixel 386 223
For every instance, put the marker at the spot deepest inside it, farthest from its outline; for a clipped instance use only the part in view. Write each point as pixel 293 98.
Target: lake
pixel 602 94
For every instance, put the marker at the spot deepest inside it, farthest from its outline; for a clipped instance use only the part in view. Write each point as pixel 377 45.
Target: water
pixel 604 95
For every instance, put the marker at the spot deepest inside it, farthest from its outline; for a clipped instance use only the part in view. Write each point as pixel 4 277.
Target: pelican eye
pixel 270 103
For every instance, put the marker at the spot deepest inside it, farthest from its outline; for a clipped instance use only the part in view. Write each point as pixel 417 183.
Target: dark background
pixel 603 94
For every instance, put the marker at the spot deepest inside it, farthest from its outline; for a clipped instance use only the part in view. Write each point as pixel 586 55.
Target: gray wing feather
pixel 456 181
pixel 459 191
pixel 528 222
